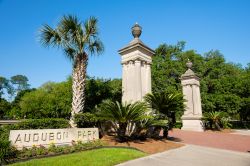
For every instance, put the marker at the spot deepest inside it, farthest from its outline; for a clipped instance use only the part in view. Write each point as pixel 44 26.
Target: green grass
pixel 97 157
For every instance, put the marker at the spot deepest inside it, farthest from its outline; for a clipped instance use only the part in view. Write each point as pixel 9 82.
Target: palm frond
pixel 165 102
pixel 91 26
pixel 74 37
pixel 95 47
pixel 70 52
pixel 49 36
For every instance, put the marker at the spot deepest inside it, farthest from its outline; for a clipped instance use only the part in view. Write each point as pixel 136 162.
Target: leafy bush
pixel 167 106
pixel 6 151
pixel 86 120
pixel 237 124
pixel 48 123
pixel 178 125
pixel 123 117
pixel 216 120
pixel 35 151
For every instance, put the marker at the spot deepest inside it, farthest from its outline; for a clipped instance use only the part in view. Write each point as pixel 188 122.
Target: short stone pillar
pixel 191 120
pixel 136 68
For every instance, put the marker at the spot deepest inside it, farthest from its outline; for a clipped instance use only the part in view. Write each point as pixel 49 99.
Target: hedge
pixel 84 120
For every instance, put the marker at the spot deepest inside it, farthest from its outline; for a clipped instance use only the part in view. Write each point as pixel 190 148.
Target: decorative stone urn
pixel 136 30
pixel 191 120
pixel 136 68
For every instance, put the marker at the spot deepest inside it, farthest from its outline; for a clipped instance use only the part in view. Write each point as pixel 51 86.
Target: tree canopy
pixel 224 86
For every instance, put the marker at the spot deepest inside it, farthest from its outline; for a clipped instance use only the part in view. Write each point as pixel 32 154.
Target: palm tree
pixel 166 104
pixel 123 116
pixel 77 40
pixel 217 119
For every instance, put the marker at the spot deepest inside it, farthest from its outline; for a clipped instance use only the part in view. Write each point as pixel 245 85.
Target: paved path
pixel 242 132
pixel 235 142
pixel 192 155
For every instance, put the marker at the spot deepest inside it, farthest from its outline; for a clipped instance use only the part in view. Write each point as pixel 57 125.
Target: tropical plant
pixel 123 116
pixel 216 120
pixel 77 40
pixel 166 105
pixel 149 126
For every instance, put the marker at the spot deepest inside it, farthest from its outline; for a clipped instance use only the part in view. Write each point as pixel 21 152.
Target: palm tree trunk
pixel 78 86
pixel 122 131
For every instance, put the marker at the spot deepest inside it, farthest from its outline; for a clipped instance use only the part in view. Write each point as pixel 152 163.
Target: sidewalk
pixel 229 141
pixel 242 132
pixel 192 155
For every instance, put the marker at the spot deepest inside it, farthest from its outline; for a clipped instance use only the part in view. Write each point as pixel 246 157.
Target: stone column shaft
pixel 138 82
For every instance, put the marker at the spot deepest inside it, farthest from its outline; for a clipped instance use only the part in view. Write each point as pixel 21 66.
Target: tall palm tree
pixel 77 40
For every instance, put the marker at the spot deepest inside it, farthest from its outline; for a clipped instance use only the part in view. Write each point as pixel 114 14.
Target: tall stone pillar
pixel 136 64
pixel 191 120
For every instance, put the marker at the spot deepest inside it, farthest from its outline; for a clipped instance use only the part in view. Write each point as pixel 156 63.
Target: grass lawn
pixel 102 157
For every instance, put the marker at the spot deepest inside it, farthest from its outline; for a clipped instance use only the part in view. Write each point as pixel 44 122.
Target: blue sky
pixel 203 24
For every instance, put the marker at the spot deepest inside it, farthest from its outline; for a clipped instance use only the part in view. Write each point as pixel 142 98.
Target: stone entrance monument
pixel 136 68
pixel 191 120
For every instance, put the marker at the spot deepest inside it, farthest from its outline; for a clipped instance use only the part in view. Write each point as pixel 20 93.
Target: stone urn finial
pixel 136 30
pixel 189 64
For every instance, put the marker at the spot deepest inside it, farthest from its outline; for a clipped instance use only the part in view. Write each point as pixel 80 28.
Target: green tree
pixel 20 81
pixel 98 90
pixel 77 41
pixel 225 87
pixel 5 86
pixel 52 100
pixel 4 107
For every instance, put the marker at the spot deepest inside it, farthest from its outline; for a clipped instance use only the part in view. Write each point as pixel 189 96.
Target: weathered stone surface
pixel 136 68
pixel 191 120
pixel 28 138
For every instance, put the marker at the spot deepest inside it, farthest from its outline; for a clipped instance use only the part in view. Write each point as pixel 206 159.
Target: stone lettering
pixel 25 138
pixel 18 138
pixel 89 134
pixel 51 136
pixel 79 134
pixel 94 132
pixel 65 135
pixel 59 135
pixel 35 137
pixel 28 138
pixel 83 134
pixel 44 137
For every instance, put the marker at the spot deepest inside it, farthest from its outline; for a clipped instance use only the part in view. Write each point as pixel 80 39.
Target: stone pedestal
pixel 191 120
pixel 136 68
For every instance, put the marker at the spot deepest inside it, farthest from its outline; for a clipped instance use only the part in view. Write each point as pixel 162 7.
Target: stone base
pixel 192 124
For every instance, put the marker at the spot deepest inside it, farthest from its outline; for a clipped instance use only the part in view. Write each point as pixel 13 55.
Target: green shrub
pixel 6 151
pixel 26 153
pixel 178 125
pixel 216 120
pixel 124 117
pixel 48 123
pixel 237 124
pixel 85 120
